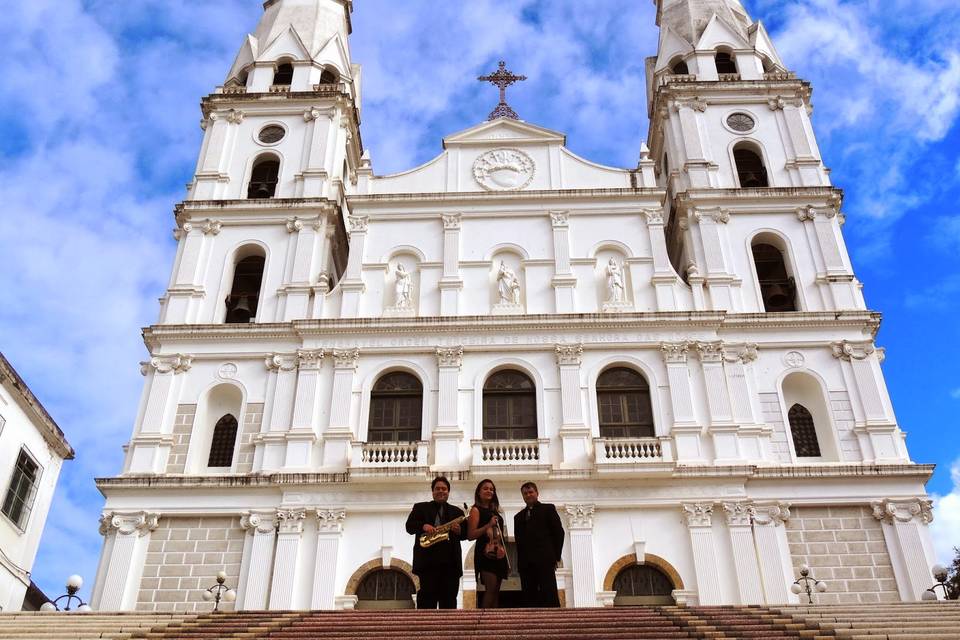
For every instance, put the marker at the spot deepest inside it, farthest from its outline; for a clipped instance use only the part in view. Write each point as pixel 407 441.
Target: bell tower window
pixel 283 77
pixel 264 178
pixel 725 62
pixel 750 169
pixel 244 296
pixel 329 77
pixel 804 432
pixel 777 288
pixel 224 439
pixel 678 67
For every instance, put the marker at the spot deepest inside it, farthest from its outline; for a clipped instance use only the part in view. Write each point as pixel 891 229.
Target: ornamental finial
pixel 502 79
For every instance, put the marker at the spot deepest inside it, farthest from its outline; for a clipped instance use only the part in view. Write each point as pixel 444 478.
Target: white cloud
pixel 945 528
pixel 955 394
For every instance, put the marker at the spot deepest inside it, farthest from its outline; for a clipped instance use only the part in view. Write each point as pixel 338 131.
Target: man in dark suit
pixel 539 535
pixel 439 566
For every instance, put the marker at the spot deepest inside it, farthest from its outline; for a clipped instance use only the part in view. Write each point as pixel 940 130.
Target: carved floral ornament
pixel 358 224
pixel 504 170
pixel 653 216
pixel 890 511
pixel 846 350
pixel 569 354
pixel 281 362
pixel 697 104
pixel 745 353
pixel 698 514
pixel 330 520
pixel 451 221
pixel 559 219
pixel 291 520
pixel 125 524
pixel 346 358
pixel 259 522
pixel 450 357
pixel 771 514
pixel 810 213
pixel 675 352
pixel 710 351
pixel 717 215
pixel 177 363
pixel 739 514
pixel 580 516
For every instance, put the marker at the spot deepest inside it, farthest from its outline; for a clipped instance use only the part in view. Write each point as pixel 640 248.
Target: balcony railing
pixel 729 77
pixel 389 454
pixel 669 78
pixel 632 450
pixel 279 88
pixel 511 452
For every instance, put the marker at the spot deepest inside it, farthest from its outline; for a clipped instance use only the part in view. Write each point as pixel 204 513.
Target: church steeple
pixel 689 18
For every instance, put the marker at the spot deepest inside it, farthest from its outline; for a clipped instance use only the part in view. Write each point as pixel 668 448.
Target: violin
pixel 495 549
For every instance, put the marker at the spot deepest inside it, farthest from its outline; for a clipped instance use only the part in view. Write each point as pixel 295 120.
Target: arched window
pixel 509 407
pixel 328 76
pixel 642 584
pixel 223 441
pixel 396 408
pixel 244 296
pixel 679 67
pixel 264 177
pixel 778 290
pixel 283 76
pixel 623 401
pixel 805 442
pixel 385 589
pixel 725 62
pixel 750 168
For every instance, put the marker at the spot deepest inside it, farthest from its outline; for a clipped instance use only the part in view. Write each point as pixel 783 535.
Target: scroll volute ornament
pixel 580 516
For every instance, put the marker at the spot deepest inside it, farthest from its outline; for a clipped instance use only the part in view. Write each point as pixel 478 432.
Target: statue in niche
pixel 615 289
pixel 508 285
pixel 403 288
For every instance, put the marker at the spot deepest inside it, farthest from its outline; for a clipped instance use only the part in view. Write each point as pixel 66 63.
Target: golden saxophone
pixel 442 533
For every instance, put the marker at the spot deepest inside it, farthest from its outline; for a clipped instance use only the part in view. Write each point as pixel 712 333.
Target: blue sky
pixel 99 131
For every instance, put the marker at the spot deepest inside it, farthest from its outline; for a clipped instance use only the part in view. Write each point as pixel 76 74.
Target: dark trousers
pixel 539 584
pixel 438 588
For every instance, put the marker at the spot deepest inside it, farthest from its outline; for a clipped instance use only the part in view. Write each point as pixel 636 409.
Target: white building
pixel 679 354
pixel 32 450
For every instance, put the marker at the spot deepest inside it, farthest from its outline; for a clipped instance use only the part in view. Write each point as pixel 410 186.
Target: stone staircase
pixel 906 621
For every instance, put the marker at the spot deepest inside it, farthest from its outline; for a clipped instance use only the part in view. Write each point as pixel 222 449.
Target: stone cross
pixel 502 79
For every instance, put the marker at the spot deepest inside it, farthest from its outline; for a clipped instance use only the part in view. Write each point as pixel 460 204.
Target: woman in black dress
pixel 490 555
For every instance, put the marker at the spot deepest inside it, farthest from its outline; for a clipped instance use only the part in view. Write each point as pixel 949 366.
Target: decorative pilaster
pixel 699 165
pixel 352 283
pixel 699 519
pixel 329 531
pixel 450 282
pixel 289 534
pixel 739 517
pixel 723 430
pixel 904 523
pixel 262 527
pixel 685 430
pixel 150 447
pixel 128 535
pixel 295 294
pixel 574 433
pixel 321 134
pixel 664 278
pixel 303 432
pixel 448 435
pixel 277 411
pixel 564 283
pixel 753 436
pixel 773 551
pixel 580 525
pixel 339 434
pixel 213 173
pixel 711 223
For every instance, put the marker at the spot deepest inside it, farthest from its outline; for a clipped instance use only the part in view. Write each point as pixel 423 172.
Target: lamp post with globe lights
pixel 809 584
pixel 219 591
pixel 940 575
pixel 73 585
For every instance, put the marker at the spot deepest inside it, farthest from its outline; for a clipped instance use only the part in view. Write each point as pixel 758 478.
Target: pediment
pixel 246 56
pixel 763 44
pixel 288 43
pixel 671 45
pixel 334 52
pixel 720 32
pixel 504 130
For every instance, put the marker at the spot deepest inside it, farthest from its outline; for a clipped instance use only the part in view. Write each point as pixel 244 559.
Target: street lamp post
pixel 940 575
pixel 809 584
pixel 73 585
pixel 220 591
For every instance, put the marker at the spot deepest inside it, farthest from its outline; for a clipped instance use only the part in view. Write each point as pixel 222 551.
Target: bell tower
pixel 730 130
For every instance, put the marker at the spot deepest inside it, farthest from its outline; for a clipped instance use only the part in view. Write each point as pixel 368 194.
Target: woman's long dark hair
pixel 494 502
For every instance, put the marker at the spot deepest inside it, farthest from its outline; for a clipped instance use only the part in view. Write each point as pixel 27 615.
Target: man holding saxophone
pixel 436 527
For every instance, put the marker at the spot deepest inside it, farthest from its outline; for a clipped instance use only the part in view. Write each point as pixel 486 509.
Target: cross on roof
pixel 502 79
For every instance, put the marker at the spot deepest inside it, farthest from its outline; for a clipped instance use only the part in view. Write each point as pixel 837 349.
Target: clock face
pixel 740 122
pixel 271 133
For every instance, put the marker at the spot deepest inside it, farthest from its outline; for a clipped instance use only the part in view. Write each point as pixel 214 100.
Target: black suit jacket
pixel 540 539
pixel 443 555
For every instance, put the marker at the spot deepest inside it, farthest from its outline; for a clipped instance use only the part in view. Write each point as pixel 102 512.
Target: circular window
pixel 271 134
pixel 740 122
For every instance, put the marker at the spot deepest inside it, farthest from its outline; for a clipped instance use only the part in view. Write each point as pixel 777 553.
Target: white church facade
pixel 678 354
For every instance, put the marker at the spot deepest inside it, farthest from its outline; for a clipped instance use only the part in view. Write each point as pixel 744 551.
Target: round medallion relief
pixel 740 122
pixel 504 170
pixel 228 371
pixel 271 134
pixel 794 359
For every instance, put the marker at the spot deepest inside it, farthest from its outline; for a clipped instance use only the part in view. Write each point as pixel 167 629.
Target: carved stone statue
pixel 508 285
pixel 615 289
pixel 403 288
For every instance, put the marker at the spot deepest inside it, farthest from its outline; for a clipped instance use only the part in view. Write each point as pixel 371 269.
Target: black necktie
pixel 529 513
pixel 439 519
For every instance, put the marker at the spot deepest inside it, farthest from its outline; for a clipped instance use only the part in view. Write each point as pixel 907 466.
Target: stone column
pixel 905 531
pixel 700 523
pixel 352 283
pixel 262 526
pixel 685 430
pixel 303 432
pixel 296 292
pixel 773 551
pixel 884 440
pixel 129 535
pixel 574 432
pixel 150 447
pixel 664 278
pixel 450 282
pixel 739 522
pixel 290 532
pixel 448 435
pixel 329 530
pixel 580 525
pixel 277 412
pixel 564 283
pixel 712 223
pixel 723 430
pixel 339 435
